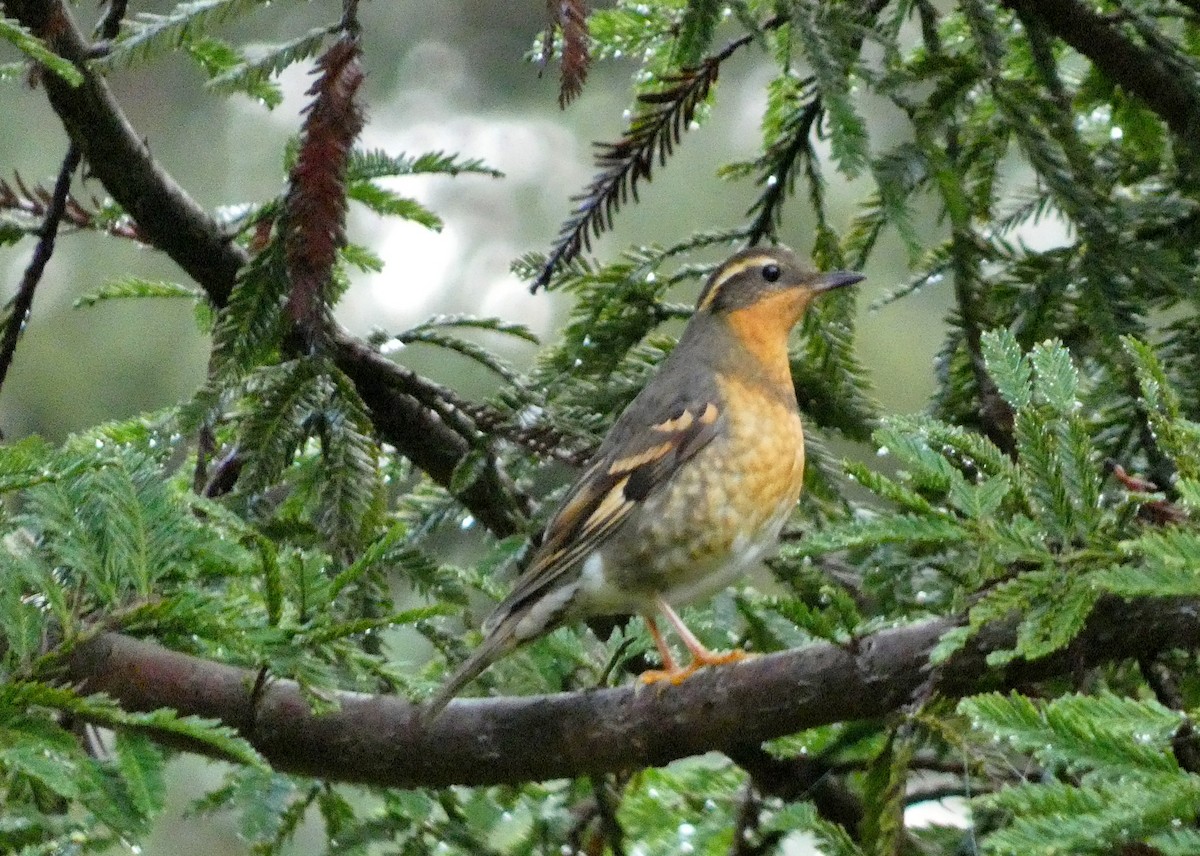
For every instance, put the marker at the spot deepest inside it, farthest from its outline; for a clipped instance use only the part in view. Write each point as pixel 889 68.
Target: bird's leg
pixel 701 656
pixel 670 666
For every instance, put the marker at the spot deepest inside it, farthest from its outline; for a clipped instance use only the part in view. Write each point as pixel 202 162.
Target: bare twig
pixel 747 839
pixel 800 778
pixel 110 24
pixel 33 202
pixel 606 814
pixel 22 302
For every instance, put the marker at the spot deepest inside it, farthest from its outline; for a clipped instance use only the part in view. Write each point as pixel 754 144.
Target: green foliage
pixel 1039 541
pixel 104 541
pixel 367 165
pixel 1110 777
pixel 832 838
pixel 269 523
pixel 134 287
pixel 34 48
pixel 696 795
pixel 696 31
pixel 385 202
pixel 1177 435
pixel 250 327
pixel 231 70
pixel 109 536
pixel 828 37
pixel 149 35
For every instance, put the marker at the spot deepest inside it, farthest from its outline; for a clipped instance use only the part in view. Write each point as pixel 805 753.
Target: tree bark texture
pixel 380 740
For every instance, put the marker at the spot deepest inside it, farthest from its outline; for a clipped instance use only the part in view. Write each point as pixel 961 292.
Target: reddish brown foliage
pixel 315 208
pixel 1159 512
pixel 570 17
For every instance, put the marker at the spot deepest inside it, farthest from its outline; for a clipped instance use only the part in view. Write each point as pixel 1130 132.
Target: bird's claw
pixel 678 674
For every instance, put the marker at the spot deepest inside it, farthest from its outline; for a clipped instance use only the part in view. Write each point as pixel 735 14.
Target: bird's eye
pixel 771 272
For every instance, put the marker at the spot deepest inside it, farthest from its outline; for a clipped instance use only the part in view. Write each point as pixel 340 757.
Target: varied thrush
pixel 692 484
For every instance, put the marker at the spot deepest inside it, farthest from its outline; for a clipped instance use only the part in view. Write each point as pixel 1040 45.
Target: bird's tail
pixel 493 647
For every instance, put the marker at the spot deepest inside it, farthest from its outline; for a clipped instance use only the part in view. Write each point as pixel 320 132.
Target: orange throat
pixel 763 329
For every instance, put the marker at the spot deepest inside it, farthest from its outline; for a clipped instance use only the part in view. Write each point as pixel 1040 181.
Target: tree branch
pixel 379 740
pixel 22 303
pixel 1133 67
pixel 166 215
pixel 403 412
pixel 799 778
pixel 169 219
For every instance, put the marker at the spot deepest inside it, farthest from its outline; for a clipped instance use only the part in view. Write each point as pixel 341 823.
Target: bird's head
pixel 769 287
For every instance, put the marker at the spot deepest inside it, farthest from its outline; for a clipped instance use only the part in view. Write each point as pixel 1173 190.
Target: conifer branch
pixel 166 217
pixel 1136 68
pixel 379 740
pixel 541 438
pixel 432 430
pixel 653 132
pixel 779 164
pixel 780 161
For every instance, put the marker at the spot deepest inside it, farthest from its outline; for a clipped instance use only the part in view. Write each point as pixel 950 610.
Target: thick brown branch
pixel 1137 69
pixel 401 413
pixel 166 216
pixel 379 739
pixel 173 222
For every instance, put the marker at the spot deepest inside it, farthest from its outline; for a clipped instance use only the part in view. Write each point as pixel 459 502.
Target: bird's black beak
pixel 836 279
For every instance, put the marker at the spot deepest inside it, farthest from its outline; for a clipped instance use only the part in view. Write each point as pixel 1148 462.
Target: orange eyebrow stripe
pixel 729 273
pixel 624 465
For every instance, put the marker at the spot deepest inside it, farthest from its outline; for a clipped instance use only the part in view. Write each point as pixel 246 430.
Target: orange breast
pixel 764 452
pixel 726 503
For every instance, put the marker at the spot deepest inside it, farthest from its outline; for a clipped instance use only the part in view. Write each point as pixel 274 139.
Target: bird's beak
pixel 836 279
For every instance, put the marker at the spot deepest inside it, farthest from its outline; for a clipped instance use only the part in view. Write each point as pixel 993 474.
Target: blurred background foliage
pixel 1025 223
pixel 439 78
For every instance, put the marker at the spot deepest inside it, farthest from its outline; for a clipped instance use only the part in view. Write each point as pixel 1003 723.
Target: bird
pixel 690 487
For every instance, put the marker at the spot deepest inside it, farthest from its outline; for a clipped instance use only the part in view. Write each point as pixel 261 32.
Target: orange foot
pixel 678 674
